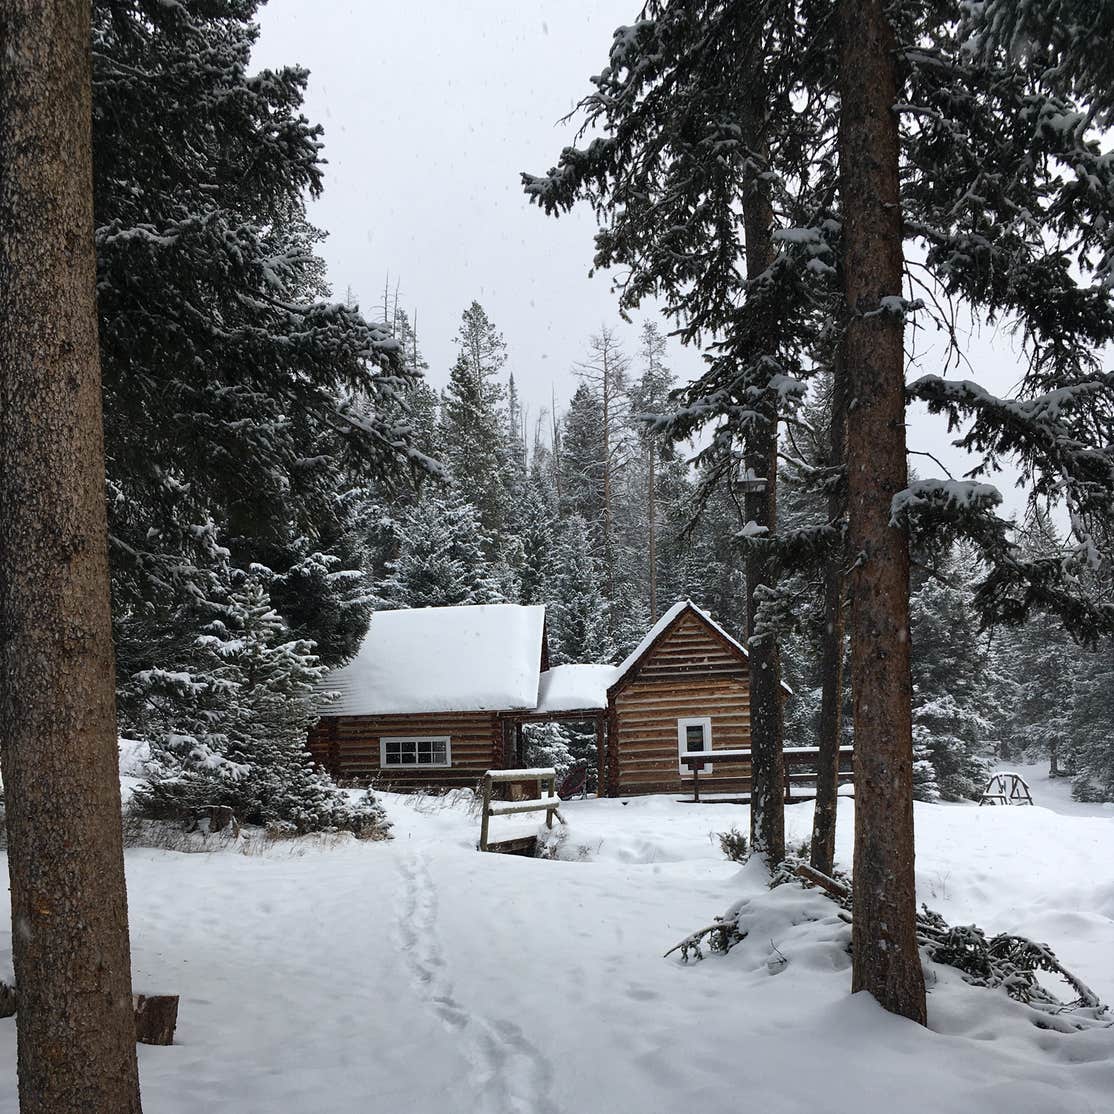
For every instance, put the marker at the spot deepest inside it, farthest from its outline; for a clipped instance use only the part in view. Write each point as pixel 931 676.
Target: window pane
pixel 439 754
pixel 694 737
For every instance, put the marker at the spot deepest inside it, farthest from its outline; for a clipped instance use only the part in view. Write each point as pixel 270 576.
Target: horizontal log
pixel 537 804
pixel 522 775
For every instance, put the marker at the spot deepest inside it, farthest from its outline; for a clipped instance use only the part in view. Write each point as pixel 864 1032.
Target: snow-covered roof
pixel 663 624
pixel 569 688
pixel 480 658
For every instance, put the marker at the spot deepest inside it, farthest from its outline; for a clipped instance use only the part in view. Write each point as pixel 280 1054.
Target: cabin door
pixel 693 735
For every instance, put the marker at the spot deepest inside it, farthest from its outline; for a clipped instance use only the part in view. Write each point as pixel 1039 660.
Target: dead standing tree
pixel 75 1024
pixel 886 961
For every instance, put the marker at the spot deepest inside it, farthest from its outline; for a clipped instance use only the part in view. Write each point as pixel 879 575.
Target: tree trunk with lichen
pixel 75 1023
pixel 885 959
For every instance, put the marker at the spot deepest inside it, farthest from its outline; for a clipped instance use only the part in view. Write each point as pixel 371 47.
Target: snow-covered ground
pixel 417 976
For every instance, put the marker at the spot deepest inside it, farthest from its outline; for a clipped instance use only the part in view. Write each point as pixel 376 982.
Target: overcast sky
pixel 431 110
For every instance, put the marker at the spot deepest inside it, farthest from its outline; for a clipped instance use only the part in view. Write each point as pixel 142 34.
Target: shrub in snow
pixel 227 726
pixel 734 845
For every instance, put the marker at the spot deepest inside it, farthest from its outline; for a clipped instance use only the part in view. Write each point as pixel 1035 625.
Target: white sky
pixel 431 110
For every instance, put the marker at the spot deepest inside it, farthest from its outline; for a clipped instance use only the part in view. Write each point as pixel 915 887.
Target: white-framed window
pixel 415 751
pixel 693 735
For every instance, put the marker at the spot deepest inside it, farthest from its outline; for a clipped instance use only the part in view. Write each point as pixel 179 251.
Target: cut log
pixel 8 999
pixel 156 1016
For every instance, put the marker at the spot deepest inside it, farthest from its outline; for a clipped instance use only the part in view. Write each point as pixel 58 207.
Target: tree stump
pixel 8 999
pixel 156 1016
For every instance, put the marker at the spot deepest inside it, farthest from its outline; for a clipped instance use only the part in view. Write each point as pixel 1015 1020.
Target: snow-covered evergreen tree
pixel 441 560
pixel 547 744
pixel 577 612
pixel 227 723
pixel 474 424
pixel 537 522
pixel 1092 724
pixel 954 706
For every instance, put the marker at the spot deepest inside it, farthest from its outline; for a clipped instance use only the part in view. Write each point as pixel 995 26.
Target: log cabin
pixel 685 688
pixel 437 696
pixel 423 704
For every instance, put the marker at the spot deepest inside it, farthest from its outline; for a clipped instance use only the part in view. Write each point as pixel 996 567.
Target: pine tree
pixel 474 424
pixel 954 706
pixel 239 400
pixel 441 560
pixel 1092 724
pixel 577 612
pixel 228 726
pixel 536 536
pixel 604 371
pixel 547 745
pixel 581 464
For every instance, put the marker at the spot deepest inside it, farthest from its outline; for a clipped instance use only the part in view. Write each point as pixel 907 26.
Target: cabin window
pixel 415 751
pixel 693 736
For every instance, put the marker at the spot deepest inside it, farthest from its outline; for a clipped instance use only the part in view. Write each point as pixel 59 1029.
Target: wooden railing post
pixel 485 815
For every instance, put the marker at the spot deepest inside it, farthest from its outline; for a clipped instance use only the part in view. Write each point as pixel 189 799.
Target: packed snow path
pixel 419 976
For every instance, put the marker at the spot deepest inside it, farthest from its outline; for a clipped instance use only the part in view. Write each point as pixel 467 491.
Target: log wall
pixel 690 672
pixel 348 747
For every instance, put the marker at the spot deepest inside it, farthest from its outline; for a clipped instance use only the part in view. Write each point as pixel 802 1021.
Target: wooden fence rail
pixel 547 799
pixel 793 756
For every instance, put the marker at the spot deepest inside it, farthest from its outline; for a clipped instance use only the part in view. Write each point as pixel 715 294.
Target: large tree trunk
pixel 75 1025
pixel 822 854
pixel 885 957
pixel 767 794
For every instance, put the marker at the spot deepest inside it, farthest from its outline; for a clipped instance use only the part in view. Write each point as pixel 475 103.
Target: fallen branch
pixel 1006 962
pixel 830 885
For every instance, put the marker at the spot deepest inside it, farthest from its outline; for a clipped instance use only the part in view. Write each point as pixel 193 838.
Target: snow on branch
pixel 955 495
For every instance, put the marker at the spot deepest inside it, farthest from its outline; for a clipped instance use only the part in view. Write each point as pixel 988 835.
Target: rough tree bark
pixel 885 958
pixel 75 1024
pixel 767 794
pixel 822 855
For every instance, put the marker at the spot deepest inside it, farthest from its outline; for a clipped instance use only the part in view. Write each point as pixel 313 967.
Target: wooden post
pixel 156 1017
pixel 601 756
pixel 334 746
pixel 485 814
